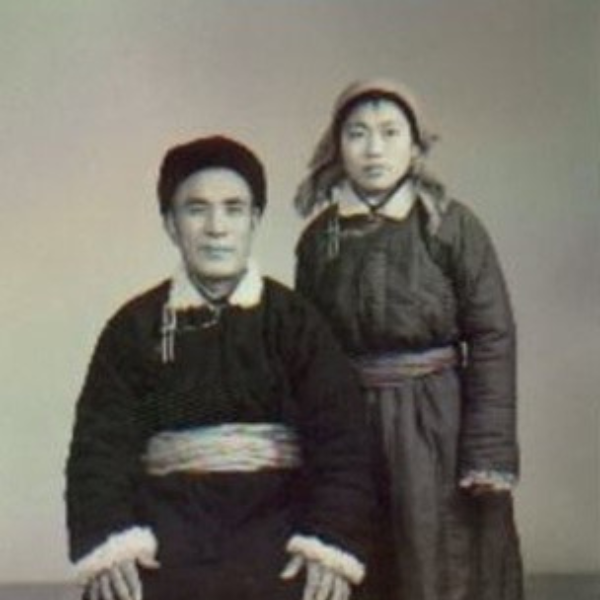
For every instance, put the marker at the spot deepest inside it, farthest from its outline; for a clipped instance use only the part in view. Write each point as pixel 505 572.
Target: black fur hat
pixel 216 151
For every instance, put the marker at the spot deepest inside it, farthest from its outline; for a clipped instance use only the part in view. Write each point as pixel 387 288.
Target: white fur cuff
pixel 312 548
pixel 136 543
pixel 499 480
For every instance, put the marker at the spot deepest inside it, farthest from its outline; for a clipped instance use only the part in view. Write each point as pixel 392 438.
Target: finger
pixel 106 592
pixel 325 585
pixel 347 590
pixel 293 567
pixel 93 589
pixel 132 577
pixel 313 576
pixel 119 583
pixel 341 589
pixel 149 562
pixel 337 589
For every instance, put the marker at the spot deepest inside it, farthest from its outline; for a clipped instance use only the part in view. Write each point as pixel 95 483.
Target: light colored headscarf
pixel 325 167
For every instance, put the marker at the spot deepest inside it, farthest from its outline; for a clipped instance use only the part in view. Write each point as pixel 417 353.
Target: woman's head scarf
pixel 326 168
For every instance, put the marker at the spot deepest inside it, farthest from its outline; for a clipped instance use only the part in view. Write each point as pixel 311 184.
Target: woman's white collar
pixel 397 207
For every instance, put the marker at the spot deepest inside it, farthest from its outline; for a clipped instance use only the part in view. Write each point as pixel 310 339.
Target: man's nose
pixel 215 223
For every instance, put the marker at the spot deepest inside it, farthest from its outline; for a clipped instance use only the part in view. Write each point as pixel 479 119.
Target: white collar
pixel 183 294
pixel 397 207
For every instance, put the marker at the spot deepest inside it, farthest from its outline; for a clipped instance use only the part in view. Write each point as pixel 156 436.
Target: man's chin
pixel 218 275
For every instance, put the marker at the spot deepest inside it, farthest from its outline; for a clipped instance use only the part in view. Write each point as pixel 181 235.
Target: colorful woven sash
pixel 231 447
pixel 388 370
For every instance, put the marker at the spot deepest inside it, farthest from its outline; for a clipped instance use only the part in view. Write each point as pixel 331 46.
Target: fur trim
pixel 131 544
pixel 249 291
pixel 500 481
pixel 343 563
pixel 396 207
pixel 183 295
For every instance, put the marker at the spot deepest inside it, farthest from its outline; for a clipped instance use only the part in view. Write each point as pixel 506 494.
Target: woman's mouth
pixel 374 170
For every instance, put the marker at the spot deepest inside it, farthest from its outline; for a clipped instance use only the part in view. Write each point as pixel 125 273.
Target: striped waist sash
pixel 231 447
pixel 388 370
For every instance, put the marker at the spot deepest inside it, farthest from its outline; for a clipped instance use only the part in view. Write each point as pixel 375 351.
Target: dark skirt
pixel 436 542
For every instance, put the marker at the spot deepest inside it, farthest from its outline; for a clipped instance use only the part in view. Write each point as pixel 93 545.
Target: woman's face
pixel 376 146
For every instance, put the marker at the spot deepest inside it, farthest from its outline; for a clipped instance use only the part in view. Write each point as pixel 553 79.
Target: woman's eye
pixel 355 134
pixel 392 132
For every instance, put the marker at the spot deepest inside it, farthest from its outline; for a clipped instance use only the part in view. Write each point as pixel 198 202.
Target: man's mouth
pixel 217 252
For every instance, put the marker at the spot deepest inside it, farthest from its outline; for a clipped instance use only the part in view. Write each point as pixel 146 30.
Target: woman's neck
pixel 403 190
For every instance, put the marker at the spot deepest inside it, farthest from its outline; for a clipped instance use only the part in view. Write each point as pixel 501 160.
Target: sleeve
pixel 305 269
pixel 488 446
pixel 104 461
pixel 336 525
pixel 317 245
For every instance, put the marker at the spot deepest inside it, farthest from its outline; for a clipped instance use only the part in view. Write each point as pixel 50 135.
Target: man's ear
pixel 170 227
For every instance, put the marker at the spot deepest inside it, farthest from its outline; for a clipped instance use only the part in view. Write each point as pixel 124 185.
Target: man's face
pixel 212 221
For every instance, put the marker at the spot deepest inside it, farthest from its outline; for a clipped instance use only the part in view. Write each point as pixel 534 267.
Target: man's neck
pixel 216 290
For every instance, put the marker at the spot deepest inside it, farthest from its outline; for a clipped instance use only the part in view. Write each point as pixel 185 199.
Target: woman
pixel 410 283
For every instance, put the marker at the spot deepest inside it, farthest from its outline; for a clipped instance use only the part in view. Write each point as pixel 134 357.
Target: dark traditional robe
pixel 405 280
pixel 267 357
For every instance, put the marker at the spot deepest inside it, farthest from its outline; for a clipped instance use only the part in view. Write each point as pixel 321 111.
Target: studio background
pixel 93 93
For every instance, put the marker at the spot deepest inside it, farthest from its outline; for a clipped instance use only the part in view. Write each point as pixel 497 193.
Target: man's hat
pixel 216 151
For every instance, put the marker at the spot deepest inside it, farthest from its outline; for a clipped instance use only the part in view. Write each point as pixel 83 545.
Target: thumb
pixel 148 562
pixel 293 567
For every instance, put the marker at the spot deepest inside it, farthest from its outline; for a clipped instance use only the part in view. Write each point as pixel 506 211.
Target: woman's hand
pixel 480 483
pixel 482 489
pixel 322 583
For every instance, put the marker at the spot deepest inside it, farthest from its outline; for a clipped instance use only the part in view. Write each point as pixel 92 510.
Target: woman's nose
pixel 374 145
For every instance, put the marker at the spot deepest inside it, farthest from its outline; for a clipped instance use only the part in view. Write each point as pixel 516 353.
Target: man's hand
pixel 321 582
pixel 120 582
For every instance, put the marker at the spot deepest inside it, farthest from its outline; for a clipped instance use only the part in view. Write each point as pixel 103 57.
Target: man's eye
pixel 235 209
pixel 195 209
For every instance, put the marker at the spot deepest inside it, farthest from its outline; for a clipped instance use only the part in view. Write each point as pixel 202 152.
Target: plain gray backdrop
pixel 92 94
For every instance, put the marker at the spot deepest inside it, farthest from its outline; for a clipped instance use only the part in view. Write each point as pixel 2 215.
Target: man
pixel 219 448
